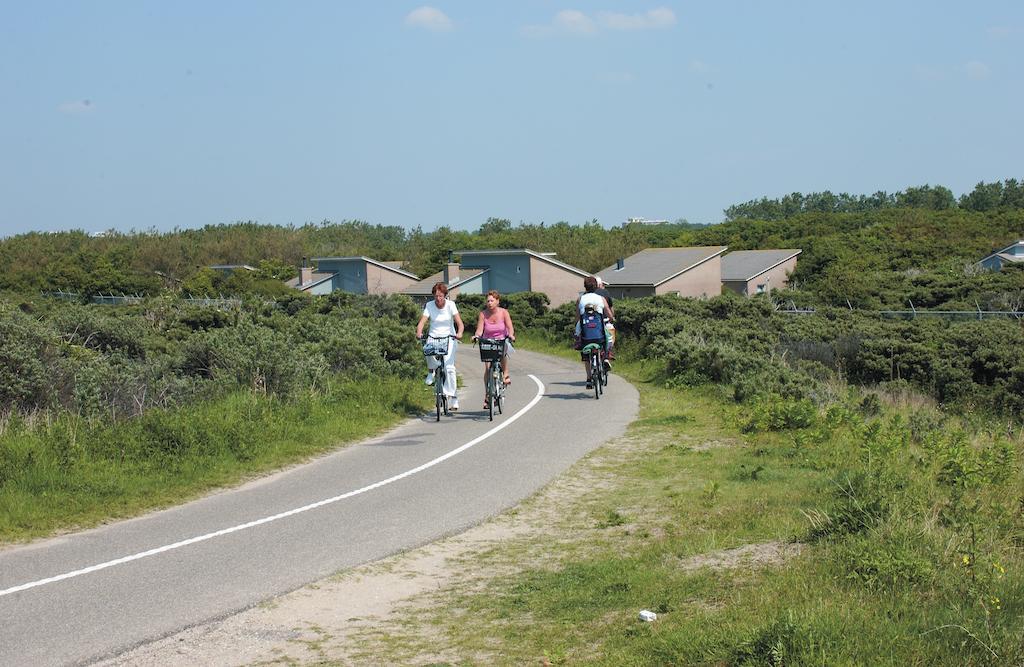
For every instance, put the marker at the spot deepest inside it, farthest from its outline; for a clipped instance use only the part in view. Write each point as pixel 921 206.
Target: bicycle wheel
pixel 440 399
pixel 499 385
pixel 595 374
pixel 490 397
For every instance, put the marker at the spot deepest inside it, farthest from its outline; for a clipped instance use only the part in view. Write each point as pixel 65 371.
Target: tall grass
pixel 901 534
pixel 69 472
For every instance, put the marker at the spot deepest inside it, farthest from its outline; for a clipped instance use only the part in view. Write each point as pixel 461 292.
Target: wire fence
pixel 914 313
pixel 132 299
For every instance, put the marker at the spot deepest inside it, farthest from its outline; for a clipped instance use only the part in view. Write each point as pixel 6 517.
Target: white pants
pixel 449 367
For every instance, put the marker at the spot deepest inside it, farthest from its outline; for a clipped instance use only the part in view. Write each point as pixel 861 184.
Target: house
pixel 749 272
pixel 523 270
pixel 230 268
pixel 359 275
pixel 1011 254
pixel 693 272
pixel 468 281
pixel 311 281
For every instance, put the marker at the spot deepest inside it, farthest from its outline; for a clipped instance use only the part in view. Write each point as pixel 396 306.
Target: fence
pixel 114 300
pixel 914 313
pixel 220 302
pixel 130 299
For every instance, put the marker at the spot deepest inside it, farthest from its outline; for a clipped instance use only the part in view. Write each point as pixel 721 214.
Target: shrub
pixel 29 369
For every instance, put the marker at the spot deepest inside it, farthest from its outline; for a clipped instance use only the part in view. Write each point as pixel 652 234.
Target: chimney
pixel 451 272
pixel 451 269
pixel 305 273
pixel 620 264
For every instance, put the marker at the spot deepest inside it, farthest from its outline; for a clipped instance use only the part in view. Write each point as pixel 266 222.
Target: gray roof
pixel 315 279
pixel 548 257
pixel 654 266
pixel 1005 254
pixel 425 286
pixel 232 267
pixel 746 264
pixel 389 265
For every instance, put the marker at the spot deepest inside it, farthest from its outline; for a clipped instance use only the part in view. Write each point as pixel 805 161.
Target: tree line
pixel 915 247
pixel 984 197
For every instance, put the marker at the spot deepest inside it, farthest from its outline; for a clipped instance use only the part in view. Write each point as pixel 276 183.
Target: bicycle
pixel 598 371
pixel 492 350
pixel 432 348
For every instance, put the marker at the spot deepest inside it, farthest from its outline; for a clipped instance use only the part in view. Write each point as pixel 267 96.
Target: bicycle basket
pixel 435 346
pixel 491 349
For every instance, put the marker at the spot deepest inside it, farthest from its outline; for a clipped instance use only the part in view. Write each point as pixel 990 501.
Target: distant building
pixel 522 270
pixel 693 272
pixel 1011 254
pixel 644 221
pixel 458 280
pixel 359 275
pixel 230 268
pixel 749 272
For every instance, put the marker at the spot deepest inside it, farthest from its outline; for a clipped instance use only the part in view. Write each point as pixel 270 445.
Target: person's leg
pixel 487 374
pixel 432 366
pixel 504 370
pixel 450 379
pixel 610 332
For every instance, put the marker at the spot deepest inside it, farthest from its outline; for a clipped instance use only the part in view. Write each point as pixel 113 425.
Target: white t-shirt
pixel 442 320
pixel 591 298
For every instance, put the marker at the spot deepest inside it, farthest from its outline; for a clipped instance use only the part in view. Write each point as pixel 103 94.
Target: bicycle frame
pixel 595 359
pixel 495 388
pixel 440 398
pixel 494 384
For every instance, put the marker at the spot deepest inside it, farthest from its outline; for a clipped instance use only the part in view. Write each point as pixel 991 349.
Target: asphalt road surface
pixel 78 598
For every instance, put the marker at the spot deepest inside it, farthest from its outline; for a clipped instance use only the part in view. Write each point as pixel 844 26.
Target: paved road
pixel 82 597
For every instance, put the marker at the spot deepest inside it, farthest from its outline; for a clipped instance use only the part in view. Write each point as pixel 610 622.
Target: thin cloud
pixel 76 107
pixel 662 17
pixel 574 21
pixel 1003 32
pixel 429 18
pixel 977 70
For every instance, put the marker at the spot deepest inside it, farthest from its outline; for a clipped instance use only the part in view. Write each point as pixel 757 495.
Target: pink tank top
pixel 495 330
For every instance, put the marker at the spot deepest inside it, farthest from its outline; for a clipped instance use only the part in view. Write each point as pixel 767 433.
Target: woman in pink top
pixel 495 322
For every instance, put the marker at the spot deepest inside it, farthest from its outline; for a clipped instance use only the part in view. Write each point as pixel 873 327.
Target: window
pixel 761 288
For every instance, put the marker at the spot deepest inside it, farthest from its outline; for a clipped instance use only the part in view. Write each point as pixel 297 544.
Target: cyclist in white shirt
pixel 445 321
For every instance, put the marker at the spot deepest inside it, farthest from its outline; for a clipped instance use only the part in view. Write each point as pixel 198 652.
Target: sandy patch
pixel 749 556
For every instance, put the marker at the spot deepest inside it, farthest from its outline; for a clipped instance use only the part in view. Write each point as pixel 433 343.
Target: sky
pixel 154 115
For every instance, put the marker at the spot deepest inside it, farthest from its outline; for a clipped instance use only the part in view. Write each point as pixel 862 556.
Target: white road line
pixel 282 515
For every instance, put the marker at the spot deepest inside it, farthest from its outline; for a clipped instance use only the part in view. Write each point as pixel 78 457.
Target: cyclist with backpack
pixel 591 325
pixel 445 322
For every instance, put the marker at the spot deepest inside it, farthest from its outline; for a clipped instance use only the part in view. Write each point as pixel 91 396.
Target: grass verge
pixel 71 473
pixel 759 535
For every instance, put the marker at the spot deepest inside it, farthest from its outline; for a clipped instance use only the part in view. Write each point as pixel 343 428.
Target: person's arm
pixel 459 326
pixel 479 325
pixel 508 324
pixel 579 315
pixel 608 310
